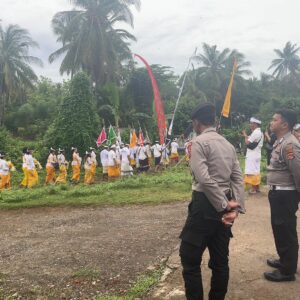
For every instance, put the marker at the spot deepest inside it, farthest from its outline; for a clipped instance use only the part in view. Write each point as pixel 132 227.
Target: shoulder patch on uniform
pixel 289 152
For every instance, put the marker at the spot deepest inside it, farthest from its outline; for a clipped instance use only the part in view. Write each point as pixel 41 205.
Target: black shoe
pixel 276 276
pixel 274 263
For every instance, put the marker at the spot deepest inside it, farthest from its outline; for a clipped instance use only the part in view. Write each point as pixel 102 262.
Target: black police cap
pixel 204 111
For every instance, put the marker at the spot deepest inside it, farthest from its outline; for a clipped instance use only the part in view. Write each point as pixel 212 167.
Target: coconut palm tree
pixel 242 64
pixel 16 74
pixel 288 62
pixel 91 40
pixel 212 62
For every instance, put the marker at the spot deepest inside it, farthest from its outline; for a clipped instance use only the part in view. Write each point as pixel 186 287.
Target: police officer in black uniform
pixel 217 198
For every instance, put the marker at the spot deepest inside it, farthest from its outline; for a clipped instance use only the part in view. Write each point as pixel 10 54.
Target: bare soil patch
pixel 73 253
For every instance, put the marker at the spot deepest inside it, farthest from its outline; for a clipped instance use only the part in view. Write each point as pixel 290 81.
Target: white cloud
pixel 169 30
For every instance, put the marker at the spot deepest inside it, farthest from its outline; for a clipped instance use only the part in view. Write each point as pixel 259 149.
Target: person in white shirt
pixel 149 153
pixel 104 161
pixel 133 157
pixel 94 164
pixel 24 182
pixel 76 165
pixel 174 151
pixel 254 143
pixel 61 159
pixel 50 167
pixel 156 148
pixel 4 172
pixel 165 155
pixel 113 164
pixel 143 158
pixel 126 169
pixel 88 163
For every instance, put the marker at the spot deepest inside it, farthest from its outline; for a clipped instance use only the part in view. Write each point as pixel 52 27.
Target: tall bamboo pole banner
pixel 161 119
pixel 227 102
pixel 180 92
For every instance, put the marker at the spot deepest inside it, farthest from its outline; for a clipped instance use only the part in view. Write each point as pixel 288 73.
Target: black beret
pixel 204 111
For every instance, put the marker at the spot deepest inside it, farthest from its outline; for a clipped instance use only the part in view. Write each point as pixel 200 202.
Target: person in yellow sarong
pixel 113 164
pixel 94 165
pixel 24 182
pixel 174 152
pixel 4 172
pixel 254 144
pixel 104 162
pixel 76 163
pixel 11 169
pixel 33 176
pixel 188 150
pixel 63 166
pixel 88 169
pixel 50 167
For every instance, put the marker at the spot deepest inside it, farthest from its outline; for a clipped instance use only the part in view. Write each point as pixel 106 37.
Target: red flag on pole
pixel 101 138
pixel 161 119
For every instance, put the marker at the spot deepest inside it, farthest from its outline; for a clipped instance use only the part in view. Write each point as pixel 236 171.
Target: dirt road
pixel 55 252
pixel 251 246
pixel 65 253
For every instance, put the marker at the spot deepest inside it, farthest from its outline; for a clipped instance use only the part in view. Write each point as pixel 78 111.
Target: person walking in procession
pixel 254 143
pixel 113 164
pixel 283 178
pixel 174 152
pixel 156 148
pixel 126 169
pixel 33 176
pixel 104 162
pixel 4 172
pixel 50 167
pixel 76 164
pixel 149 153
pixel 24 182
pixel 61 159
pixel 94 164
pixel 88 172
pixel 165 156
pixel 142 158
pixel 217 199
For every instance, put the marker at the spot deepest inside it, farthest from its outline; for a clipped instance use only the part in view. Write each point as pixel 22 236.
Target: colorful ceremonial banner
pixel 133 138
pixel 227 103
pixel 161 119
pixel 141 137
pixel 112 137
pixel 101 138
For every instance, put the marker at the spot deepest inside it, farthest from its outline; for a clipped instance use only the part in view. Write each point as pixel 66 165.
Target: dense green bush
pixel 77 124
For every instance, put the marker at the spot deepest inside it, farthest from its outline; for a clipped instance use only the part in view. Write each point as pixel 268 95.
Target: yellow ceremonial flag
pixel 227 102
pixel 133 139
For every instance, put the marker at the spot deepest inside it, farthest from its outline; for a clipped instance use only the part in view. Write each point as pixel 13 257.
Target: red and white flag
pixel 102 137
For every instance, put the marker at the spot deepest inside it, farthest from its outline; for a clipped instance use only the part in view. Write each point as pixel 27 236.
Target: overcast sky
pixel 169 30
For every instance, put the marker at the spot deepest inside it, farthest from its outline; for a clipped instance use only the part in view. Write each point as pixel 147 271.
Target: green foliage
pixel 232 135
pixel 16 74
pixel 32 119
pixel 77 123
pixel 13 147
